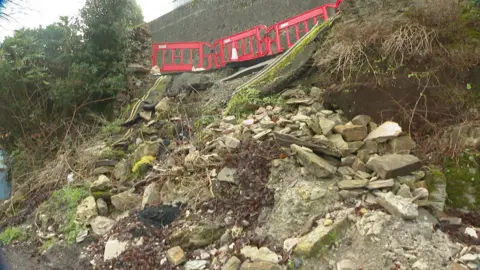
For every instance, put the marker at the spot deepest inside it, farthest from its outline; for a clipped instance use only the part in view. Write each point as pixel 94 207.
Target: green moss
pixel 463 181
pixel 10 234
pixel 102 194
pixel 109 153
pixel 63 206
pixel 238 103
pixel 112 127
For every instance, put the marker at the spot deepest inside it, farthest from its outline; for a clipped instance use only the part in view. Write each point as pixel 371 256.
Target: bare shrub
pixel 344 58
pixel 409 41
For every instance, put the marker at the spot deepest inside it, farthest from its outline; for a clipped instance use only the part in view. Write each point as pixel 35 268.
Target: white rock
pixel 262 254
pixel 471 231
pixel 384 132
pixel 113 249
pixel 151 195
pixel 289 244
pixel 231 142
pixel 196 265
pixel 101 225
pixel 397 206
pixel 420 265
pixel 469 257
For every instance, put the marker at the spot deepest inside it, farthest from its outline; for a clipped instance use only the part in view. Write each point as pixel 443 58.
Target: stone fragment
pixel 326 125
pixel 102 184
pixel 397 206
pixel 358 165
pixel 339 142
pixel 361 120
pixel 176 256
pixel 113 249
pixel 260 265
pixel 420 265
pixel 402 145
pixel 345 170
pixel 86 210
pixel 101 225
pixel 231 142
pixel 264 133
pixel 384 132
pixel 151 195
pixel 404 191
pixel 346 264
pixel 379 184
pixel 163 107
pixel 314 164
pixel 102 207
pixel 351 132
pixel 420 193
pixel 348 161
pixel 394 165
pixel 126 200
pixel 227 175
pixel 311 244
pixel 352 184
pixel 262 254
pixel 232 264
pixel 231 119
pixel 354 146
pixel 300 118
pixel 195 265
pixel 289 244
pixel 351 193
pixel 300 101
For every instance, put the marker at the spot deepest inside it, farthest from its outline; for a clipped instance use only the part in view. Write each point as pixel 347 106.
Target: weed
pixel 10 234
pixel 110 153
pixel 47 244
pixel 112 127
pixel 66 201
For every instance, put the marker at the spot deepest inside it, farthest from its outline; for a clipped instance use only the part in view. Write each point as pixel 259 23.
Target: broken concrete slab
pixel 379 184
pixel 384 132
pixel 397 205
pixel 394 165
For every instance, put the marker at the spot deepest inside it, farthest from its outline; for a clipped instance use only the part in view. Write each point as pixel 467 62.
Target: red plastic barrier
pixel 248 46
pixel 173 56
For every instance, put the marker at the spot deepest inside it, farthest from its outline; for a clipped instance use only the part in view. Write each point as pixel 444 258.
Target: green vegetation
pixel 53 78
pixel 463 180
pixel 64 202
pixel 47 244
pixel 10 234
pixel 109 153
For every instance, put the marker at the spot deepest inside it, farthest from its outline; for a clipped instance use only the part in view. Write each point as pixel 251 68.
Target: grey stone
pixel 351 193
pixel 314 164
pixel 370 147
pixel 394 165
pixel 293 93
pixel 348 161
pixel 232 264
pixel 397 206
pixel 298 101
pixel 151 195
pixel 346 170
pixel 260 265
pixel 326 125
pixel 102 170
pixel 231 119
pixel 231 142
pixel 101 225
pixel 437 188
pixel 113 249
pixel 338 141
pixel 121 170
pixel 351 133
pixel 402 145
pixel 87 210
pixel 313 125
pixel 317 93
pixel 352 184
pixel 126 200
pixel 404 191
pixel 176 256
pixel 358 165
pixel 420 193
pixel 379 184
pixel 425 216
pixel 187 81
pixel 260 254
pixel 354 146
pixel 384 132
pixel 197 236
pixel 196 265
pixel 361 120
pixel 102 207
pixel 372 223
pixel 311 244
pixel 289 244
pixel 227 175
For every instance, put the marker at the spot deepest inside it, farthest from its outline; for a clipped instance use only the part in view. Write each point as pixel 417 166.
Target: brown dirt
pixel 456 232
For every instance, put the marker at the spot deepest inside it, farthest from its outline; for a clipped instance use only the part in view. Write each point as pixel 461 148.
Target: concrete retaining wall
pixel 209 20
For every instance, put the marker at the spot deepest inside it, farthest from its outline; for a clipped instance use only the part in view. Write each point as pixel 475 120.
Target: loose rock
pixel 391 166
pixel 176 256
pixel 397 206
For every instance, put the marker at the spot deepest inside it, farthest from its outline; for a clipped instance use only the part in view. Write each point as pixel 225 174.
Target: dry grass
pixel 408 42
pixel 436 13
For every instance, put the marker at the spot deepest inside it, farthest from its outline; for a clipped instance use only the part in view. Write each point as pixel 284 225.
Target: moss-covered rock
pixel 196 237
pixel 463 181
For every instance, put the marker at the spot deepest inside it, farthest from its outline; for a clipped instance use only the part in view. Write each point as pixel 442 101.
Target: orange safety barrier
pixel 243 46
pixel 182 56
pixel 247 45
